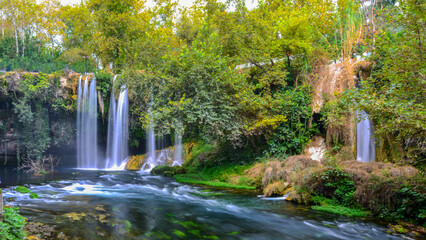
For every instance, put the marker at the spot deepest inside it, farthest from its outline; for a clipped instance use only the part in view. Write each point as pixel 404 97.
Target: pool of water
pixel 137 205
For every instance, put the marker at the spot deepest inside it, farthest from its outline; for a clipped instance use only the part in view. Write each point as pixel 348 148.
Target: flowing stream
pixel 137 205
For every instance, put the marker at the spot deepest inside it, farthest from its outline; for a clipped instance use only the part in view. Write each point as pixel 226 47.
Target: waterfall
pixel 79 110
pixel 365 147
pixel 177 157
pixel 118 133
pixel 152 160
pixel 87 106
pixel 111 118
pixel 121 134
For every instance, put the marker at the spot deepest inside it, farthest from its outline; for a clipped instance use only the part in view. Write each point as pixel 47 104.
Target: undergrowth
pixel 12 227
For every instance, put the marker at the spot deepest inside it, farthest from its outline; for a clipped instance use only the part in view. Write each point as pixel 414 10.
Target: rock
pixel 136 162
pixel 275 189
pixel 61 235
pixel 316 149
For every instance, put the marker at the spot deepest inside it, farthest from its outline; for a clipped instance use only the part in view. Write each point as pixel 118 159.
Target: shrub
pixel 12 228
pixel 335 184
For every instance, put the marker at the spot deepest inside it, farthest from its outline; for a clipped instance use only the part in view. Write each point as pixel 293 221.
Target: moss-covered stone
pixel 136 162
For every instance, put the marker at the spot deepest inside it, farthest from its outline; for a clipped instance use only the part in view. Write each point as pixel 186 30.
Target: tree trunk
pixel 23 43
pixel 288 60
pixel 254 146
pixel 17 42
pixel 1 204
pixel 420 45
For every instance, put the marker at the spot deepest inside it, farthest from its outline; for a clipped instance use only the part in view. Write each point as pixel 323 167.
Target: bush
pixel 399 199
pixel 12 228
pixel 335 184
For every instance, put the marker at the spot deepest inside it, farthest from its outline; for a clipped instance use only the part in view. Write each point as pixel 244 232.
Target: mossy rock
pixel 274 189
pixel 22 189
pixel 135 163
pixel 167 171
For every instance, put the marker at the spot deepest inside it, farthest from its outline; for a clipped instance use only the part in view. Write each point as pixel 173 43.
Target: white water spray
pixel 177 157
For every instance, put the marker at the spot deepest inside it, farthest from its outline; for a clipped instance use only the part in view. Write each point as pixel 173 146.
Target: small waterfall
pixel 87 140
pixel 152 159
pixel 177 157
pixel 365 147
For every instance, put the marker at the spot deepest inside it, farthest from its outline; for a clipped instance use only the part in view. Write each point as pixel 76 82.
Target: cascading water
pixel 121 134
pixel 111 119
pixel 365 147
pixel 79 122
pixel 87 105
pixel 177 157
pixel 152 159
pixel 118 133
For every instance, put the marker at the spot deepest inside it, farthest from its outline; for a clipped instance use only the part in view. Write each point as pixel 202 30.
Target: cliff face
pixel 39 102
pixel 327 81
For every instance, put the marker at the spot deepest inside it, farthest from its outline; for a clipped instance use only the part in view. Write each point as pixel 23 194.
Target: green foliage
pixel 34 195
pixel 104 84
pixel 341 210
pixel 199 90
pixel 33 125
pixel 167 171
pixel 335 184
pixel 22 189
pixel 291 136
pixel 405 199
pixel 393 96
pixel 194 179
pixel 12 228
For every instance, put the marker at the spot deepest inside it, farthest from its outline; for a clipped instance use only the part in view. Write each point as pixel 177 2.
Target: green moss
pixel 218 184
pixel 208 194
pixel 179 233
pixel 22 189
pixel 34 195
pixel 340 210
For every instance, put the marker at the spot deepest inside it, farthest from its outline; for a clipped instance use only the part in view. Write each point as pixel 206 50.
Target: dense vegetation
pixel 241 83
pixel 223 72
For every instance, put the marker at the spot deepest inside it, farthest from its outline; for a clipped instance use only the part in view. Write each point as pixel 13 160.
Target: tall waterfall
pixel 365 147
pixel 118 133
pixel 111 118
pixel 87 139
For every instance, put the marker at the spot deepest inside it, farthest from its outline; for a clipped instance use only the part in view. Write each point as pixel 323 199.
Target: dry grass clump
pixel 286 170
pixel 255 173
pixel 361 172
pixel 275 189
pixel 279 175
pixel 345 154
pixel 274 171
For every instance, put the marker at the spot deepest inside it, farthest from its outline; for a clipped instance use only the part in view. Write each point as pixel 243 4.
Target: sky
pixel 187 3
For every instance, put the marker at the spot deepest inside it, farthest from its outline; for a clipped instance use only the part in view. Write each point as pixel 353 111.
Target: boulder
pixel 136 162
